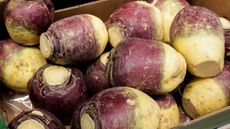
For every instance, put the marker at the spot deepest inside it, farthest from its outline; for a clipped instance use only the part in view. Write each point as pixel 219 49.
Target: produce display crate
pixel 103 8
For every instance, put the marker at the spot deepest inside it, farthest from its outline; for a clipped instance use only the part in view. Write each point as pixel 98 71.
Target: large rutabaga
pixel 58 89
pixel 151 66
pixel 118 108
pixel 135 19
pixel 18 64
pixel 74 40
pixel 205 95
pixel 169 9
pixel 25 20
pixel 197 34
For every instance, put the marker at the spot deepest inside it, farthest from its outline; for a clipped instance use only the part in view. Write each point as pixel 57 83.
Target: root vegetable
pixel 169 111
pixel 169 9
pixel 96 75
pixel 35 119
pixel 18 64
pixel 135 19
pixel 58 89
pixel 118 108
pixel 25 20
pixel 151 66
pixel 197 34
pixel 74 40
pixel 205 95
pixel 225 23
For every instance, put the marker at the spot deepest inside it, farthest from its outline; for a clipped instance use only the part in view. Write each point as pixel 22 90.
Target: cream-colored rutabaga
pixel 205 95
pixel 18 64
pixel 225 23
pixel 169 111
pixel 174 69
pixel 169 9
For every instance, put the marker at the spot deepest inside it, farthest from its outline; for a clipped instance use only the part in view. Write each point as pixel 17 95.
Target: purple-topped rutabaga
pixel 58 89
pixel 135 19
pixel 95 75
pixel 197 33
pixel 151 66
pixel 26 20
pixel 118 108
pixel 169 9
pixel 36 119
pixel 74 40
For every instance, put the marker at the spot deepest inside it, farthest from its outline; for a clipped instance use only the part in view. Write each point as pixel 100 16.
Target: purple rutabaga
pixel 205 95
pixel 135 19
pixel 58 89
pixel 96 75
pixel 35 119
pixel 170 116
pixel 151 66
pixel 25 20
pixel 74 40
pixel 169 9
pixel 118 108
pixel 197 34
pixel 18 64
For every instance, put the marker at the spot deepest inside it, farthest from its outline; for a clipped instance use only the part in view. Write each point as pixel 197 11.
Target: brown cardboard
pixel 221 7
pixel 101 8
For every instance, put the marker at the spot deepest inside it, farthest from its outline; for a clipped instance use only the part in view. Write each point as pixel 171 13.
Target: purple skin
pixel 107 109
pixel 77 47
pixel 227 44
pixel 137 63
pixel 165 101
pixel 60 100
pixel 134 20
pixel 195 18
pixel 7 48
pixel 96 78
pixel 223 78
pixel 35 18
pixel 49 121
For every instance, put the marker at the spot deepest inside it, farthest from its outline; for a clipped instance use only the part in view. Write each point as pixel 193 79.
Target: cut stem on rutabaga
pixel 58 89
pixel 118 108
pixel 74 40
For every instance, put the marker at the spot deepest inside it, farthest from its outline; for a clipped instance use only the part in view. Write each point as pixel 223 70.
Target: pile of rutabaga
pixel 152 65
